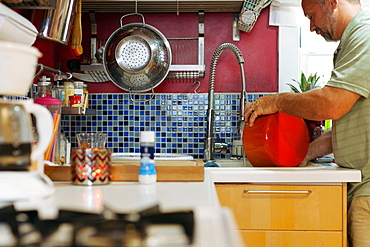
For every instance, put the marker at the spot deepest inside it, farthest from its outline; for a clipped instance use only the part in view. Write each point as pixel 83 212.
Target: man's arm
pixel 319 147
pixel 319 104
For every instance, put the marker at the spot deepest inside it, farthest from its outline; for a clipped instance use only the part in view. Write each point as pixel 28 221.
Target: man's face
pixel 321 20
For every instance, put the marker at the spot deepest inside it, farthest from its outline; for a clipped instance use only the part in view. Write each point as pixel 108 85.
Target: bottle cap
pixel 147 136
pixel 75 97
pixel 79 84
pixel 44 81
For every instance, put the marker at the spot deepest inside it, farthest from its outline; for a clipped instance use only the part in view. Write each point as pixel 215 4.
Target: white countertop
pixel 319 173
pixel 215 225
pixel 132 196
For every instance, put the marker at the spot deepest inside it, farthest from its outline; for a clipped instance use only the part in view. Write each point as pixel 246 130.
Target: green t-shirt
pixel 351 133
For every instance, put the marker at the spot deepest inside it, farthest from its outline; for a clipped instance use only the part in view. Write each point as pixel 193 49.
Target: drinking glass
pixel 91 140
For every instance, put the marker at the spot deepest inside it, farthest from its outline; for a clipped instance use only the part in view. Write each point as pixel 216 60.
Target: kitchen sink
pixel 157 156
pixel 232 163
pixel 239 163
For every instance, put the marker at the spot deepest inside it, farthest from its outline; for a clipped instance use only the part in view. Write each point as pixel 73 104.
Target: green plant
pixel 306 83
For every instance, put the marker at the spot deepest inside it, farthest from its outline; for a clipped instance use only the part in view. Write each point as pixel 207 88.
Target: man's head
pixel 329 18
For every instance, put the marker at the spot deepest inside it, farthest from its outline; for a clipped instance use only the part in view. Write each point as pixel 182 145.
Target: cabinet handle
pixel 277 191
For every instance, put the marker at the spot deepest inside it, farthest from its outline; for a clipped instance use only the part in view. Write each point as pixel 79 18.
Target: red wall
pixel 259 49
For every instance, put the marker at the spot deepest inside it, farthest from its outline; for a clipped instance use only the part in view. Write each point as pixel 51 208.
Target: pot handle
pixel 151 97
pixel 132 14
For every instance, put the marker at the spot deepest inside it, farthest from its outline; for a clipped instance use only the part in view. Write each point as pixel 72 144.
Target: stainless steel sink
pixel 232 163
pixel 157 156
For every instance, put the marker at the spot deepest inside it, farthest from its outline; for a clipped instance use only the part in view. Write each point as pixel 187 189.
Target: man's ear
pixel 331 5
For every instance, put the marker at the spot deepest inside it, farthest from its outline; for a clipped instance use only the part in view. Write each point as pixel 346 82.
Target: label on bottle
pixel 79 91
pixel 147 150
pixel 147 166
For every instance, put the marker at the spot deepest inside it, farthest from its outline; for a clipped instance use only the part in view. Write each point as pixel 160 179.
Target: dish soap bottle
pixel 147 173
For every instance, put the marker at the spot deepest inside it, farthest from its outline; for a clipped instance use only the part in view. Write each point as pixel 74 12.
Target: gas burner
pixel 148 227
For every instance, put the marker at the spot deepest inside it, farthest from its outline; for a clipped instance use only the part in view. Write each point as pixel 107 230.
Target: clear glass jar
pixel 58 90
pixel 43 87
pixel 69 90
pixel 79 88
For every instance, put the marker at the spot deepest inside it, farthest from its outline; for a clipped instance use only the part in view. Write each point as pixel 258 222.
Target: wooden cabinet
pixel 288 215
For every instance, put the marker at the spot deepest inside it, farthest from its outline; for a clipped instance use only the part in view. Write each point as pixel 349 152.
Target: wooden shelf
pixel 77 111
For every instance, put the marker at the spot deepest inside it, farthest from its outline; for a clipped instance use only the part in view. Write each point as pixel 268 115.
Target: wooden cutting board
pixel 127 171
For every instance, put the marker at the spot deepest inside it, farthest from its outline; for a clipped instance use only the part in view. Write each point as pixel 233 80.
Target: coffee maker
pixel 22 179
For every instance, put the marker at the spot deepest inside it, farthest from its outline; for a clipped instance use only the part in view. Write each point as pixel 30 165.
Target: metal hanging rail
pixel 42 67
pixel 62 75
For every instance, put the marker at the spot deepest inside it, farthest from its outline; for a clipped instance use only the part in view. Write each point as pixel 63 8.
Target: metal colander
pixel 133 54
pixel 137 57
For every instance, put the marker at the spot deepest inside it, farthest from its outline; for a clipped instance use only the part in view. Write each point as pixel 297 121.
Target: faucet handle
pixel 220 145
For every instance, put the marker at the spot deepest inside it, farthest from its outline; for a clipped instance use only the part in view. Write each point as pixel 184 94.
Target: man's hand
pixel 262 106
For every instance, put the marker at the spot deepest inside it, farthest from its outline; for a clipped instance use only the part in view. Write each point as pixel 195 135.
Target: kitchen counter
pixel 186 195
pixel 212 219
pixel 215 225
pixel 132 196
pixel 314 173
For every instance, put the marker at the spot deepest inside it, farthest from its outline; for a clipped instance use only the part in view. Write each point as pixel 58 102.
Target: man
pixel 344 99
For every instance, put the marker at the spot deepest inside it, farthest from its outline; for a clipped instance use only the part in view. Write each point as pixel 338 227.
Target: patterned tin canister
pixel 91 166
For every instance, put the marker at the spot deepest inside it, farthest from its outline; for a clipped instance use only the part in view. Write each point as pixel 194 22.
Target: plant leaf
pixel 294 89
pixel 303 82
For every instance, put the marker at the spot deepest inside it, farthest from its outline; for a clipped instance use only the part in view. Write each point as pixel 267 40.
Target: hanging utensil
pixel 137 56
pixel 77 26
pixel 93 72
pixel 250 11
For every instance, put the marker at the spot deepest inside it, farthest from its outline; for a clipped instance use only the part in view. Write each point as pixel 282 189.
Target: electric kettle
pixel 17 148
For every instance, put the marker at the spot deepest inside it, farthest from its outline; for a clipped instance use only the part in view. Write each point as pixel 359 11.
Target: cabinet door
pixel 292 238
pixel 284 207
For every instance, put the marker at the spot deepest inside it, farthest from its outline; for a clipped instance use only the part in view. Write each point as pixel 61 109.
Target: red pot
pixel 276 140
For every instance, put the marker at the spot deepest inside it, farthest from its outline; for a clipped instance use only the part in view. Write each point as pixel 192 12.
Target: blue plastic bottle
pixel 147 173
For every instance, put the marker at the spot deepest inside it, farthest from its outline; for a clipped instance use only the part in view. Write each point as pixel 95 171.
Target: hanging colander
pixel 137 56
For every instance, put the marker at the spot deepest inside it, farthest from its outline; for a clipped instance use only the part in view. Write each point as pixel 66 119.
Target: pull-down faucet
pixel 209 149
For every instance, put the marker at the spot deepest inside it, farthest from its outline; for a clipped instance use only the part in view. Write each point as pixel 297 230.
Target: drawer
pixel 284 207
pixel 292 238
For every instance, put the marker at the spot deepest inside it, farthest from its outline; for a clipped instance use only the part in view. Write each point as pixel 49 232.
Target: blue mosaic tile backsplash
pixel 179 121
